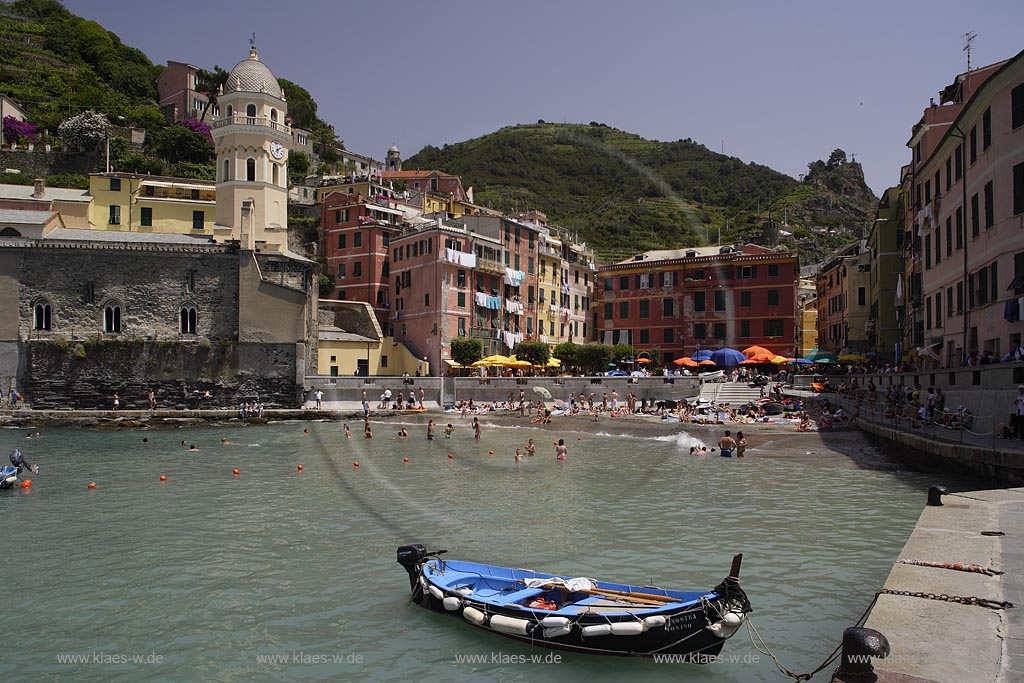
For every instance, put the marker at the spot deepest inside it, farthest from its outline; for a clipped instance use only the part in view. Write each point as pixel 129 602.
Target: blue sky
pixel 780 84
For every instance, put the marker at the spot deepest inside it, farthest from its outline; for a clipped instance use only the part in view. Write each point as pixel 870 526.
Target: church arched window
pixel 187 319
pixel 227 170
pixel 112 317
pixel 273 115
pixel 41 315
pixel 276 171
pixel 230 111
pixel 250 169
pixel 250 112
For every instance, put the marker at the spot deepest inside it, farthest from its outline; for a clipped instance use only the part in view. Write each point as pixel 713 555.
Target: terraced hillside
pixel 625 194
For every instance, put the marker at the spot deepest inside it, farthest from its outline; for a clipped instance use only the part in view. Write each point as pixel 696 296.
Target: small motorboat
pixel 579 614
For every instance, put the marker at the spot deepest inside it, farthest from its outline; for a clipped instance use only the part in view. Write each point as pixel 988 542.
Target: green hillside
pixel 624 194
pixel 58 65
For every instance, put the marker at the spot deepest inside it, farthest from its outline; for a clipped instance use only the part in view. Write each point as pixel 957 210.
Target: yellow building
pixel 144 203
pixel 352 343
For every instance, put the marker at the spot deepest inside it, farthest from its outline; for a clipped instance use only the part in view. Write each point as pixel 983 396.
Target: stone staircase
pixel 733 393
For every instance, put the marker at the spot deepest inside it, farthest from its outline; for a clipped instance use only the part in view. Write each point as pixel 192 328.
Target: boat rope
pixel 973 568
pixel 758 642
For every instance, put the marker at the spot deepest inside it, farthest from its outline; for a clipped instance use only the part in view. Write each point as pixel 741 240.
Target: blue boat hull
pixel 552 611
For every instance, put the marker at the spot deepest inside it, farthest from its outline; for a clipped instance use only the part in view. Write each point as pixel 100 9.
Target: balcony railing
pixel 262 121
pixel 483 333
pixel 489 266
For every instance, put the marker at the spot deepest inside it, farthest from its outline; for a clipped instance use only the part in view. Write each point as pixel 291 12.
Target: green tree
pixel 621 352
pixel 467 350
pixel 209 84
pixel 537 353
pixel 298 168
pixel 178 143
pixel 593 358
pixel 301 105
pixel 567 352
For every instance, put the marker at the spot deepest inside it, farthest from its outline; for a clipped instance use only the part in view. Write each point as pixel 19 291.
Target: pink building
pixel 465 278
pixel 966 218
pixel 177 95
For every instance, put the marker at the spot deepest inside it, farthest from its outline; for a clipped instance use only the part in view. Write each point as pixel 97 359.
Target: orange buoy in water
pixel 405 459
pixel 579 438
pixel 91 485
pixel 163 477
pixel 355 464
pixel 26 484
pixel 450 456
pixel 235 472
pixel 298 467
pixel 490 452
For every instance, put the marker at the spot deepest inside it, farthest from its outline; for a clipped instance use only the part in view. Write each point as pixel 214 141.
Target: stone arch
pixel 188 318
pixel 111 314
pixel 9 232
pixel 42 314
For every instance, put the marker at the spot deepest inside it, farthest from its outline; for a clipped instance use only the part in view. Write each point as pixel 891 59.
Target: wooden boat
pixel 579 614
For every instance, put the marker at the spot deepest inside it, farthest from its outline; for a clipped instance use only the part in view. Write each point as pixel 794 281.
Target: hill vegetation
pixel 57 66
pixel 625 194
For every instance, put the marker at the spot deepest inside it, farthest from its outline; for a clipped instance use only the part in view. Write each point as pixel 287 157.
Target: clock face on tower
pixel 276 149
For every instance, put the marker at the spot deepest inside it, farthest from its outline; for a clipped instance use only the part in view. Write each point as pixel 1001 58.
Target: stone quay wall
pixel 86 375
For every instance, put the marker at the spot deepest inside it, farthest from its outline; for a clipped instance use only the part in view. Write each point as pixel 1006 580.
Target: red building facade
pixel 355 246
pixel 675 302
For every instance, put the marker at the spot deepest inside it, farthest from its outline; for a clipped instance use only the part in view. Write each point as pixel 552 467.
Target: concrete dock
pixel 938 641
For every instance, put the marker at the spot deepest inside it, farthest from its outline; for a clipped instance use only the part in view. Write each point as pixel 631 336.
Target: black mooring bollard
pixel 935 494
pixel 859 645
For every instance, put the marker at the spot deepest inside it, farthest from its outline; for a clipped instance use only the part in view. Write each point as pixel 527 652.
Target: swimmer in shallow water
pixel 225 442
pixel 519 456
pixel 530 448
pixel 448 431
pixel 348 432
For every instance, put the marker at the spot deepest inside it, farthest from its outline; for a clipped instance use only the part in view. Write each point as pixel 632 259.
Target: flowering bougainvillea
pixel 198 126
pixel 86 130
pixel 16 130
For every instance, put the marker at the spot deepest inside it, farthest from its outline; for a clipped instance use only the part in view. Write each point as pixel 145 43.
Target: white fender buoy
pixel 436 592
pixel 733 618
pixel 452 604
pixel 728 624
pixel 554 622
pixel 657 621
pixel 474 615
pixel 557 631
pixel 505 624
pixel 596 630
pixel 627 628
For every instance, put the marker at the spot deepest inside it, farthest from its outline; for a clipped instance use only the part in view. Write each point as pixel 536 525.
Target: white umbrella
pixel 543 392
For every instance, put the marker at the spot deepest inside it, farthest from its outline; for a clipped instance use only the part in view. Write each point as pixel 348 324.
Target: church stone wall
pixel 150 286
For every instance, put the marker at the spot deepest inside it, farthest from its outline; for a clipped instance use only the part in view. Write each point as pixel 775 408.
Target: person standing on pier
pixel 1018 412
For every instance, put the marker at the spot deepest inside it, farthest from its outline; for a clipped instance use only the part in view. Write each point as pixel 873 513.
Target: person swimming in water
pixel 348 432
pixel 561 450
pixel 448 431
pixel 530 448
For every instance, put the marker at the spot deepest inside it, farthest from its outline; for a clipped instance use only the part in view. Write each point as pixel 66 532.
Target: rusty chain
pixel 980 602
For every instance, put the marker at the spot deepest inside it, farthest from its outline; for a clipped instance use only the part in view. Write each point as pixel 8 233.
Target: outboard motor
pixel 8 476
pixel 410 556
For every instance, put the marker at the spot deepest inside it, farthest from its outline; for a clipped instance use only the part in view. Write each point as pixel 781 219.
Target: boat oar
pixel 649 598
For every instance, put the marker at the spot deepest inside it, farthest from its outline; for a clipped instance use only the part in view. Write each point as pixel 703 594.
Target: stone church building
pixel 203 321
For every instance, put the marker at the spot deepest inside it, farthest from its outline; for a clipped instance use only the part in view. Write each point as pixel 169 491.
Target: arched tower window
pixel 112 317
pixel 276 167
pixel 250 111
pixel 227 170
pixel 41 316
pixel 187 319
pixel 250 169
pixel 273 115
pixel 230 111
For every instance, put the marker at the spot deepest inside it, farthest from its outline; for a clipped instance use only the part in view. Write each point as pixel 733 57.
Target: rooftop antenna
pixel 969 37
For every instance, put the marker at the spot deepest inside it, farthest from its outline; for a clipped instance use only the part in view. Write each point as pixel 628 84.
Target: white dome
pixel 252 75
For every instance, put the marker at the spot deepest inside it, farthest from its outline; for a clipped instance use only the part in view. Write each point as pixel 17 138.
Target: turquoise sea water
pixel 282 575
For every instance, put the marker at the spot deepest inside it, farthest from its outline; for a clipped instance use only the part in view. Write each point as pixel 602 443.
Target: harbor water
pixel 282 574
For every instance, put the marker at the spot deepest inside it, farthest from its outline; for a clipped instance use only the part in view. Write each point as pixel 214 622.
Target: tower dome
pixel 252 75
